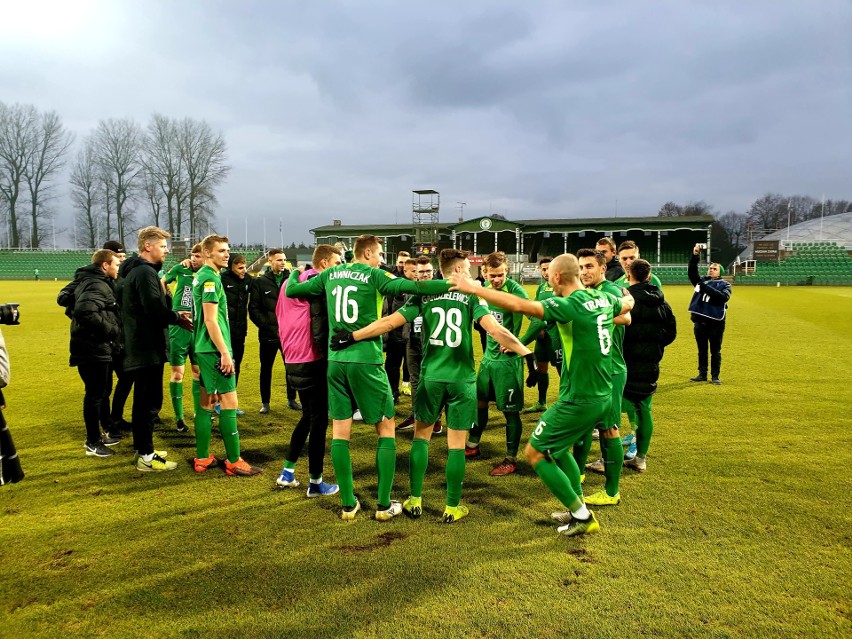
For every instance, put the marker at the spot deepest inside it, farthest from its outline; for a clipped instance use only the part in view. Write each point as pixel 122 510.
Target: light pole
pixel 461 210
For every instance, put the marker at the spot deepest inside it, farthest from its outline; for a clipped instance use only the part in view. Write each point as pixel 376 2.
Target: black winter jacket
pixel 653 327
pixel 237 293
pixel 95 324
pixel 66 295
pixel 145 313
pixel 264 297
pixel 614 270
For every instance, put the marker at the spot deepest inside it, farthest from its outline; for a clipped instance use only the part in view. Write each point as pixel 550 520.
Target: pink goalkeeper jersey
pixel 294 326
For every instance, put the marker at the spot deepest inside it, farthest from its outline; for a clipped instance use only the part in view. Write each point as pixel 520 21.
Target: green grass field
pixel 740 528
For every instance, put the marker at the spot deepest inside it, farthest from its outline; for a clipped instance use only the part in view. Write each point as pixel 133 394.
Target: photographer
pixel 708 308
pixel 10 465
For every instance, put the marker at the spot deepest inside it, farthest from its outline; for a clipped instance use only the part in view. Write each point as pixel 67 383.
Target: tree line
pixel 731 231
pixel 123 176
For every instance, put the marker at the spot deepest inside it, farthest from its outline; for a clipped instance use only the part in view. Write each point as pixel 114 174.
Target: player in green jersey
pixel 447 376
pixel 212 344
pixel 180 339
pixel 592 275
pixel 356 376
pixel 500 376
pixel 584 318
pixel 548 349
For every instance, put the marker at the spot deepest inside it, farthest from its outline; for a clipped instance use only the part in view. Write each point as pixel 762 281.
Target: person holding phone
pixel 708 308
pixel 216 362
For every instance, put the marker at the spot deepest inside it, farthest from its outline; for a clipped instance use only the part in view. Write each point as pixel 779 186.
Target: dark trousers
pixel 238 346
pixel 709 334
pixel 147 392
pixel 268 351
pixel 413 357
pixel 394 359
pixel 97 378
pixel 122 392
pixel 313 427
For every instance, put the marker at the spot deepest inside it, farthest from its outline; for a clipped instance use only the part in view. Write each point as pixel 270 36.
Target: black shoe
pixel 157 419
pixel 98 450
pixel 698 378
pixel 110 439
pixel 181 426
pixel 716 381
pixel 121 424
pixel 294 404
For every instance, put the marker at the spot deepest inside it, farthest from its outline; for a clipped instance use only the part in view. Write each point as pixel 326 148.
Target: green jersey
pixel 182 298
pixel 447 330
pixel 622 281
pixel 353 294
pixel 207 287
pixel 584 320
pixel 618 365
pixel 543 292
pixel 510 321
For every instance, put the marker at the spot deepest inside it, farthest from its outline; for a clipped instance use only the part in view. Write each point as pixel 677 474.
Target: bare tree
pixel 17 127
pixel 768 213
pixel 49 144
pixel 154 197
pixel 118 148
pixel 164 165
pixel 733 225
pixel 86 194
pixel 204 156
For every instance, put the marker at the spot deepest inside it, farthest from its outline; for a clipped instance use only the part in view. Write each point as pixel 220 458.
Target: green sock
pixel 196 395
pixel 581 451
pixel 568 465
pixel 543 383
pixel 514 428
pixel 176 392
pixel 203 425
pixel 644 427
pixel 288 465
pixel 418 460
pixel 479 427
pixel 230 434
pixel 342 462
pixel 558 484
pixel 455 475
pixel 385 469
pixel 613 461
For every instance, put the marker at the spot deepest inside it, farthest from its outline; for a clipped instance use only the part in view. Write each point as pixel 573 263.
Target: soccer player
pixel 355 375
pixel 215 362
pixel 303 327
pixel 652 328
pixel 180 339
pixel 708 308
pixel 592 274
pixel 448 376
pixel 584 318
pixel 606 245
pixel 627 252
pixel 264 297
pixel 145 314
pixel 500 376
pixel 548 348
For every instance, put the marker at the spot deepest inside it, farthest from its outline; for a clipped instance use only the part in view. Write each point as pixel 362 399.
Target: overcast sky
pixel 535 109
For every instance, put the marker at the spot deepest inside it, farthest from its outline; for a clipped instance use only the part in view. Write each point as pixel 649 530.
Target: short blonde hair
pixel 151 234
pixel 209 242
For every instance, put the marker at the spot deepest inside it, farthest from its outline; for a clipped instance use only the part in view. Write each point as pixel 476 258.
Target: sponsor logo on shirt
pixel 209 287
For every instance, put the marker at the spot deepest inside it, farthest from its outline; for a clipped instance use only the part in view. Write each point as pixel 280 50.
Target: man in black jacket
pixel 653 327
pixel 145 315
pixel 397 339
pixel 264 297
pixel 614 270
pixel 95 335
pixel 237 289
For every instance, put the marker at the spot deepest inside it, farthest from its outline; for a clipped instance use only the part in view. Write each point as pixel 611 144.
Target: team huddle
pixel 605 338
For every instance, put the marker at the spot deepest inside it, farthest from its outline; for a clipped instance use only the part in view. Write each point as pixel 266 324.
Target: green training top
pixel 182 299
pixel 447 331
pixel 510 321
pixel 207 287
pixel 353 294
pixel 584 320
pixel 618 365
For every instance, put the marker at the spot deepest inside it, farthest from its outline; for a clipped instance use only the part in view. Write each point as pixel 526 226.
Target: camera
pixel 703 247
pixel 9 314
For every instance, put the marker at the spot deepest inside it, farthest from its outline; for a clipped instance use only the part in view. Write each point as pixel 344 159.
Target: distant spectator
pixel 708 309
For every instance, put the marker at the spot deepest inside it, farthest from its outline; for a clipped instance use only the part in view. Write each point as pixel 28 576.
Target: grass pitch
pixel 740 528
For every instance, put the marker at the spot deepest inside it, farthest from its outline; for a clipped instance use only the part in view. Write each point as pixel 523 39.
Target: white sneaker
pixel 562 517
pixel 386 515
pixel 406 388
pixel 596 466
pixel 637 463
pixel 357 416
pixel 349 515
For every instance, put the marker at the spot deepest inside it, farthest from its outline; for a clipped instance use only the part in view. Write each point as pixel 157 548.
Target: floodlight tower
pixel 425 211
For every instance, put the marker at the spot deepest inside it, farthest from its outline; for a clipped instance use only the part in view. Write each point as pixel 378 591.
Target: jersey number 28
pixel 451 320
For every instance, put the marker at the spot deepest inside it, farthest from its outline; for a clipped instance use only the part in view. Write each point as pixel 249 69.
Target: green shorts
pixel 618 382
pixel 503 382
pixel 459 398
pixel 180 346
pixel 212 381
pixel 362 386
pixel 549 350
pixel 564 424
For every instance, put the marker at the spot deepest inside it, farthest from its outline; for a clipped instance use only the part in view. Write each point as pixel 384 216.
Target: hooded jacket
pixel 237 293
pixel 653 327
pixel 145 313
pixel 65 298
pixel 264 298
pixel 95 323
pixel 710 299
